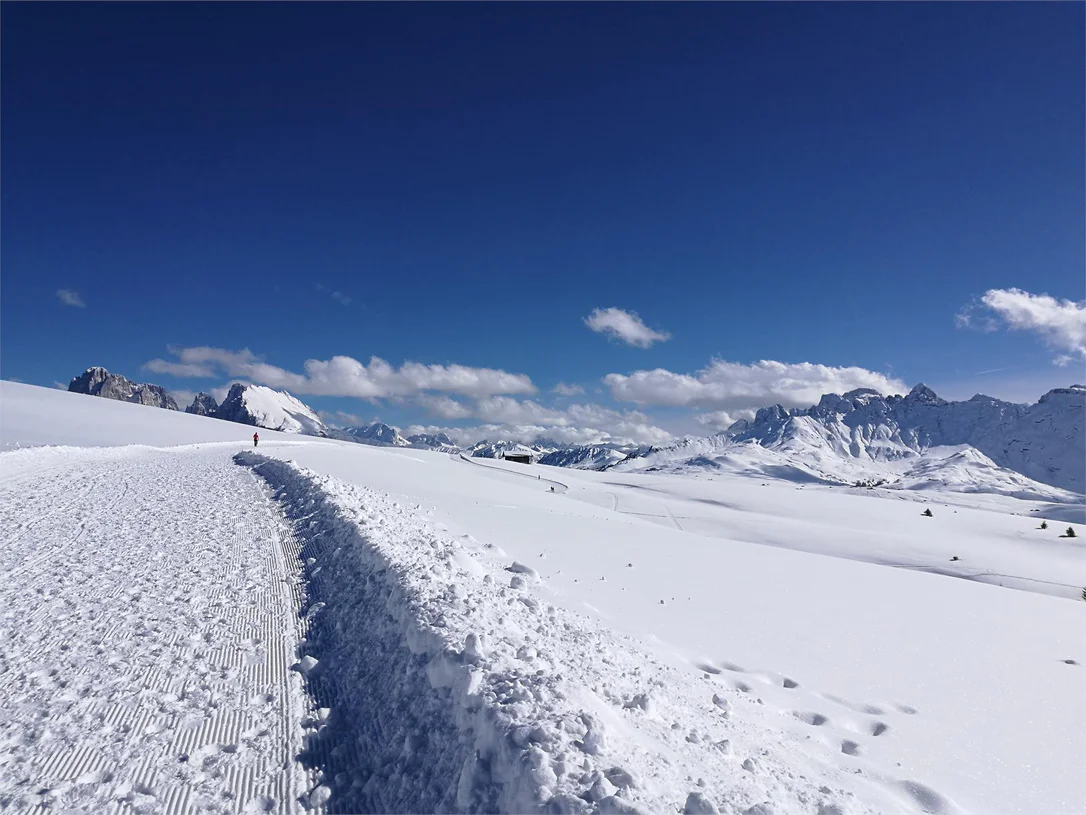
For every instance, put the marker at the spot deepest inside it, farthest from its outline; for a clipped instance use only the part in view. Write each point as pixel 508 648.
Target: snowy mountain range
pixel 913 441
pixel 434 441
pixel 100 382
pixel 585 457
pixel 377 433
pixel 859 438
pixel 1043 441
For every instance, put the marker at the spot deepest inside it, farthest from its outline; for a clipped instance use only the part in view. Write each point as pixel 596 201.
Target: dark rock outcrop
pixel 203 405
pixel 98 381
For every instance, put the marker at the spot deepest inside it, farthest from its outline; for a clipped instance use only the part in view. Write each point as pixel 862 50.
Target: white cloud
pixel 220 394
pixel 339 297
pixel 70 297
pixel 718 420
pixel 625 326
pixel 1061 324
pixel 345 376
pixel 182 369
pixel 444 406
pixel 562 389
pixel 60 386
pixel 581 424
pixel 731 386
pixel 182 397
pixel 342 418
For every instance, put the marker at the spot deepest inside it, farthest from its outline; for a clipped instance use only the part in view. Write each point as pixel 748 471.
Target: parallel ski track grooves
pixel 241 640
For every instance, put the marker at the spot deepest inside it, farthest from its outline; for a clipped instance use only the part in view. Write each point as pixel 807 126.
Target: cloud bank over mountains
pixel 344 376
pixel 491 397
pixel 732 386
pixel 662 403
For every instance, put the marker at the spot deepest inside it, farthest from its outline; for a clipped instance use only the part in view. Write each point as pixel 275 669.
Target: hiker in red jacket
pixel 256 438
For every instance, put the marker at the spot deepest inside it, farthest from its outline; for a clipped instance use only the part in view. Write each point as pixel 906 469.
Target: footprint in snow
pixel 926 798
pixel 813 719
pixel 850 748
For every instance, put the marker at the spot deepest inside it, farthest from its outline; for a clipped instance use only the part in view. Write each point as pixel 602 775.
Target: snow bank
pixel 428 710
pixel 445 683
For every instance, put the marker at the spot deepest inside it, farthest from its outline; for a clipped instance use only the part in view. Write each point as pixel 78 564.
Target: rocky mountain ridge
pixel 98 381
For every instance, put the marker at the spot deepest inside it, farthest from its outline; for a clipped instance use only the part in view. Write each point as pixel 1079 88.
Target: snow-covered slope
pixel 100 382
pixel 635 642
pixel 32 416
pixel 902 442
pixel 275 410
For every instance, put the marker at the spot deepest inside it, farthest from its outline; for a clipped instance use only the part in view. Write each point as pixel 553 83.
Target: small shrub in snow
pixel 926 513
pixel 1070 533
pixel 1044 525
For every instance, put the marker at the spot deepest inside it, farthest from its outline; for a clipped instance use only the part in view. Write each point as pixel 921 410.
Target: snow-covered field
pixel 465 637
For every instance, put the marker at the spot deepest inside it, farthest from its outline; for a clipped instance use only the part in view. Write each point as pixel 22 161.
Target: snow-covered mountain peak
pixel 770 414
pixel 377 433
pixel 275 410
pixel 925 395
pixel 1072 395
pixel 863 395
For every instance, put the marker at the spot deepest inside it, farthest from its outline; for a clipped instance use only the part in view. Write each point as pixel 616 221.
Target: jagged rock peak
pixel 203 404
pixel 97 381
pixel 922 393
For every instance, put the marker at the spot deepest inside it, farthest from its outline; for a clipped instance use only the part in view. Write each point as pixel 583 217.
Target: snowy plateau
pixel 733 624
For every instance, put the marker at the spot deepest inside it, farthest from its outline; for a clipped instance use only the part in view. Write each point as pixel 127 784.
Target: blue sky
pixel 464 186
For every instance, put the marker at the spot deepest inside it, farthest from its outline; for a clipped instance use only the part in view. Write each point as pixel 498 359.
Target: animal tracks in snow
pixel 844 726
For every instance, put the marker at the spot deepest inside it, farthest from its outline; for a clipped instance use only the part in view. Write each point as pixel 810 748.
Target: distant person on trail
pixel 256 438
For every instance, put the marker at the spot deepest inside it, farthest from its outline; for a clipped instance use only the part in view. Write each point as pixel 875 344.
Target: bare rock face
pixel 203 405
pixel 98 381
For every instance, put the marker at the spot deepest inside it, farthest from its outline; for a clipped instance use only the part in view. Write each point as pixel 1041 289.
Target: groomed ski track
pixel 152 670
